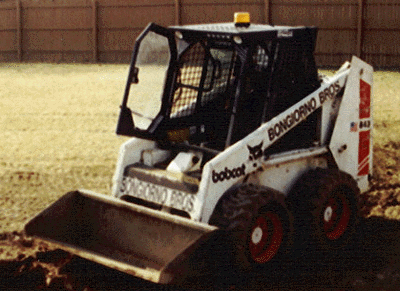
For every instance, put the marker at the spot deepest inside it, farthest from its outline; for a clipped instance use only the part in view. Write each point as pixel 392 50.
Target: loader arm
pixel 351 141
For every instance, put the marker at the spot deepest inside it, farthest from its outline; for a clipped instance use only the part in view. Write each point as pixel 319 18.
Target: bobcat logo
pixel 255 152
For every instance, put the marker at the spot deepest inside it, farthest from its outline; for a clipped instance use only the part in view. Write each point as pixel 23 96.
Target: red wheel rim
pixel 266 237
pixel 336 216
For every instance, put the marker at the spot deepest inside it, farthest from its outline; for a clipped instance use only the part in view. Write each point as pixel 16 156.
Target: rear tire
pixel 257 224
pixel 324 205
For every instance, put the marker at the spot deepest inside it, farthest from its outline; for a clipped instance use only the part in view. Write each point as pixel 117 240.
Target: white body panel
pixel 281 171
pixel 129 153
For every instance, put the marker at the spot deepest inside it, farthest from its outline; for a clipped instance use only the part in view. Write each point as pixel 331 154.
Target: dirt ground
pixel 373 263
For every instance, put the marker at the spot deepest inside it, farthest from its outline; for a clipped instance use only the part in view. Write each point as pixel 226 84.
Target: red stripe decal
pixel 365 99
pixel 363 153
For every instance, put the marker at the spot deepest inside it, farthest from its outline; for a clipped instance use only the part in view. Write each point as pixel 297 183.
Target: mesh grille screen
pixel 216 76
pixel 224 72
pixel 260 59
pixel 188 82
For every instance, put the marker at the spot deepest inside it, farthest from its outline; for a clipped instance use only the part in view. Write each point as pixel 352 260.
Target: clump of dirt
pixel 383 198
pixel 28 264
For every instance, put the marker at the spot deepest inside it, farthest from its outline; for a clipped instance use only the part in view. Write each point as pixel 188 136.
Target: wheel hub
pixel 257 234
pixel 336 216
pixel 328 214
pixel 266 237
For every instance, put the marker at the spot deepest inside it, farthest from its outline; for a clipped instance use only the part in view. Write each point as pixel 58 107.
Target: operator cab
pixel 208 86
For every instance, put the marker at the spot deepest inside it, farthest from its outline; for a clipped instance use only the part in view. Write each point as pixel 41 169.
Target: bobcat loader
pixel 234 138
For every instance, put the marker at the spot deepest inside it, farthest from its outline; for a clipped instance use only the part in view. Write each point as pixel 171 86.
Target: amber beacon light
pixel 242 19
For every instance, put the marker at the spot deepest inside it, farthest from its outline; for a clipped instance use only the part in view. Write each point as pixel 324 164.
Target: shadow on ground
pixel 371 263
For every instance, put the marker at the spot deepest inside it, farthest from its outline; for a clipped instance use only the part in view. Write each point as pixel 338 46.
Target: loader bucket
pixel 133 239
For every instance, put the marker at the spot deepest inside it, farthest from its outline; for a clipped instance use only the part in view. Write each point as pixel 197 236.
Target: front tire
pixel 265 237
pixel 257 223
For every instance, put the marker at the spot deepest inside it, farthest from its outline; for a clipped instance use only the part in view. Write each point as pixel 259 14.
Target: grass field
pixel 57 133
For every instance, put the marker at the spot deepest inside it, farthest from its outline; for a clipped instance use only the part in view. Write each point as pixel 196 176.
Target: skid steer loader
pixel 234 135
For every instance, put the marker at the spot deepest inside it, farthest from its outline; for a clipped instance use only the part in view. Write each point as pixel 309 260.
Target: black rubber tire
pixel 325 209
pixel 246 213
